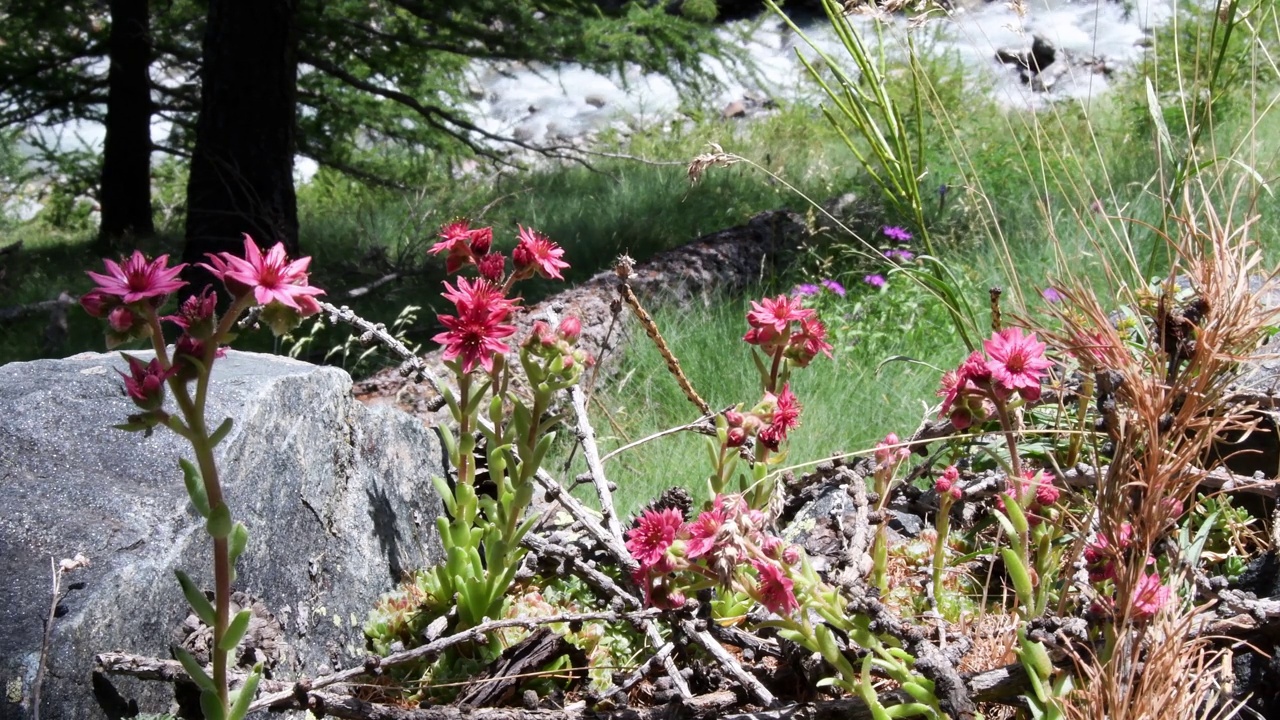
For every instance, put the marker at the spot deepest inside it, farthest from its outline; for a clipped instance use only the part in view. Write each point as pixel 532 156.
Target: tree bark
pixel 242 167
pixel 126 157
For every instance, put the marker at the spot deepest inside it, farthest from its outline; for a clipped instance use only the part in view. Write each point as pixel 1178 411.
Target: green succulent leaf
pixel 235 631
pixel 220 524
pixel 194 671
pixel 196 599
pixel 211 705
pixel 244 696
pixel 195 487
pixel 221 433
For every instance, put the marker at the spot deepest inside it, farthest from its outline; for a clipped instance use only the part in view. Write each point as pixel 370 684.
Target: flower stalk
pixel 129 297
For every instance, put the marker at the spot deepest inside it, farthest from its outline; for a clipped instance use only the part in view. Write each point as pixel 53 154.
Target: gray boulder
pixel 336 496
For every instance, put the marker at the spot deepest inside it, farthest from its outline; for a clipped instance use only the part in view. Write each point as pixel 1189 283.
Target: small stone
pixel 906 523
pixel 735 109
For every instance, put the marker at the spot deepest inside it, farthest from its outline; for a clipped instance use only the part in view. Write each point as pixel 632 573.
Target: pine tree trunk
pixel 242 168
pixel 126 158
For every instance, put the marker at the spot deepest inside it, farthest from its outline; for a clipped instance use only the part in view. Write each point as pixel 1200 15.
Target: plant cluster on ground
pixel 1085 546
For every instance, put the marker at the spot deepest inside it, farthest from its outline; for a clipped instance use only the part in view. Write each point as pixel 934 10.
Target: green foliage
pixel 379 84
pixel 1232 537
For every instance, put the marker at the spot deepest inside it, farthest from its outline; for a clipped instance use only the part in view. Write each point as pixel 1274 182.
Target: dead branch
pixel 412 365
pixel 640 673
pixel 17 312
pixel 598 580
pixel 711 645
pixel 1000 686
pixel 1085 476
pixel 701 707
pixel 587 435
pixel 477 634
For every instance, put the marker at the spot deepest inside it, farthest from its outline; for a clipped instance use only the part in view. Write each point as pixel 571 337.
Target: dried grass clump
pixel 1162 389
pixel 1155 673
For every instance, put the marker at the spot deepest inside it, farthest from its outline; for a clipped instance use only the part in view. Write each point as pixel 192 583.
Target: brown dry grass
pixel 1164 409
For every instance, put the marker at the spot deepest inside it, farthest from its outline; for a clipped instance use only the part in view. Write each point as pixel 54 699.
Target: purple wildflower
pixel 875 281
pixel 897 234
pixel 899 255
pixel 1051 294
pixel 833 286
pixel 806 289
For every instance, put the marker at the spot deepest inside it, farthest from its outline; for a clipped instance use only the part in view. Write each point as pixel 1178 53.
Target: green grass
pixel 850 401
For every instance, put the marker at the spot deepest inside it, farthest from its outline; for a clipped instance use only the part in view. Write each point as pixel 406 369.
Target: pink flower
pixel 776 592
pixel 783 414
pixel 196 312
pixel 1017 361
pixel 137 279
pixel 771 318
pixel 1099 555
pixel 808 342
pixel 145 382
pixel 537 252
pixel 896 233
pixel 653 535
pixel 833 286
pixel 703 531
pixel 975 368
pixel 476 332
pixel 953 383
pixel 876 280
pixel 1046 493
pixel 887 454
pixel 1150 595
pixel 457 242
pixel 273 277
pixel 786 414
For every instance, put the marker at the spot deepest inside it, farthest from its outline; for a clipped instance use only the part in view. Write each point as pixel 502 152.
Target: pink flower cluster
pixel 1101 554
pixel 464 245
pixel 719 545
pixel 1034 492
pixel 769 421
pixel 890 453
pixel 130 293
pixel 1013 363
pixel 558 344
pixel 783 324
pixel 948 485
pixel 476 332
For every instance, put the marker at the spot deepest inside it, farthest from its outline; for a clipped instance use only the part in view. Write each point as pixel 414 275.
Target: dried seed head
pixel 717 156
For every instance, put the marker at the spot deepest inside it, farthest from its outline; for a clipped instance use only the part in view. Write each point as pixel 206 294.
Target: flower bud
pixel 733 417
pixel 570 329
pixel 492 266
pixel 145 382
pixel 772 546
pixel 737 437
pixel 480 240
pixel 1046 493
pixel 98 303
pixel 121 318
pixel 791 555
